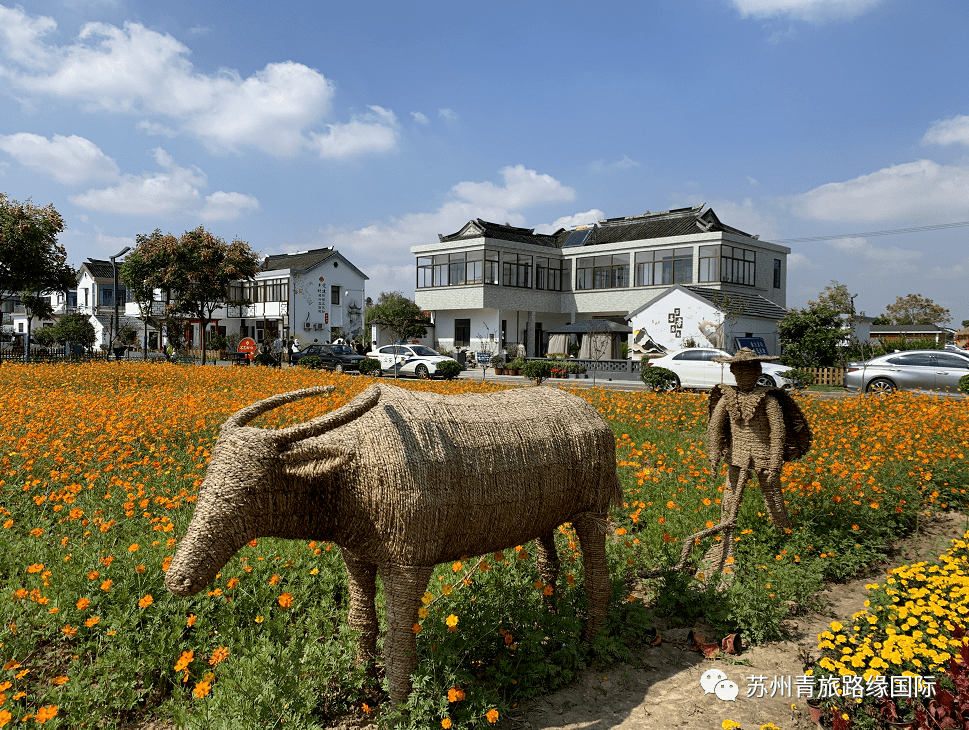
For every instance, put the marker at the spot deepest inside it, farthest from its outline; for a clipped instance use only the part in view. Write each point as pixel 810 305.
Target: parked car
pixel 416 360
pixel 334 357
pixel 694 368
pixel 909 370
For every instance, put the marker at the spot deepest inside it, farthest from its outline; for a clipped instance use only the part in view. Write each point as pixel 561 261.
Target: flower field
pixel 101 465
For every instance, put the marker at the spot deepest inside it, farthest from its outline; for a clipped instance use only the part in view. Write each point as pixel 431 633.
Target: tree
pixel 32 262
pixel 75 328
pixel 196 270
pixel 811 337
pixel 395 312
pixel 835 296
pixel 916 309
pixel 137 273
pixel 965 323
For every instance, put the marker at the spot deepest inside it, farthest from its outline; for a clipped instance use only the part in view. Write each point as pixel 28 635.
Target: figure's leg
pixel 771 488
pixel 404 585
pixel 592 539
pixel 548 565
pixel 363 613
pixel 716 557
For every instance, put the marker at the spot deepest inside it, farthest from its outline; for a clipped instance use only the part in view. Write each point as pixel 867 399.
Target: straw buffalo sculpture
pixel 401 481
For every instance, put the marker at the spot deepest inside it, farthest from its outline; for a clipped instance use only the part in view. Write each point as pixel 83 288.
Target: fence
pixel 827 376
pixel 51 354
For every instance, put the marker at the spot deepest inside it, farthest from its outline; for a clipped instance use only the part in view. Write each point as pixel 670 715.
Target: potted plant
pixel 576 369
pixel 515 366
pixel 498 363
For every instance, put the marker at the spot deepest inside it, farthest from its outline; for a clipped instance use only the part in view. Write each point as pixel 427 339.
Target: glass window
pixel 516 270
pixel 953 362
pixel 777 273
pixel 334 294
pixel 462 333
pixel 548 273
pixel 737 265
pixel 424 266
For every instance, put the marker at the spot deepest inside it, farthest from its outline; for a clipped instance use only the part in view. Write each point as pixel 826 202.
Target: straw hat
pixel 746 355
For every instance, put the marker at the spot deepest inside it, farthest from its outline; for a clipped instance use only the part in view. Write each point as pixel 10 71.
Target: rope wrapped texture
pixel 403 480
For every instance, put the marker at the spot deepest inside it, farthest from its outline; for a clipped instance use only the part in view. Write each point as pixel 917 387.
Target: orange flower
pixel 184 660
pixel 133 547
pixel 456 566
pixel 366 707
pixel 191 620
pixel 45 713
pixel 93 575
pixel 69 631
pixel 416 628
pixel 202 689
pixel 286 600
pixel 106 585
pixel 492 716
pixel 446 723
pixel 455 694
pixel 146 601
pixel 59 680
pixel 35 568
pixel 452 622
pixel 92 621
pixel 219 655
pixel 274 580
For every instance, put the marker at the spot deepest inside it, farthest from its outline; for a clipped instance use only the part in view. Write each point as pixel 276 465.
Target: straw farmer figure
pixel 755 430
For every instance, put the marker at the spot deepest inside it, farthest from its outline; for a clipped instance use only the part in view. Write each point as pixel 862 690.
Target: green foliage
pixel 264 358
pixel 811 337
pixel 398 314
pixel 76 328
pixel 448 369
pixel 310 362
pixel 836 297
pixel 517 364
pixel 803 375
pixel 537 370
pixel 916 309
pixel 45 336
pixel 497 361
pixel 659 378
pixel 369 365
pixel 218 342
pixel 575 367
pixel 964 383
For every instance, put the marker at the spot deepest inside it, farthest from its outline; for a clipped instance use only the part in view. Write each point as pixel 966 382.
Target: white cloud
pixel 950 272
pixel 523 188
pixel 69 160
pixel 569 221
pixel 811 10
pixel 383 248
pixel 879 262
pixel 373 132
pixel 800 262
pixel 222 206
pixel 921 190
pixel 109 245
pixel 745 216
pixel 176 190
pixel 448 114
pixel 624 164
pixel 134 70
pixel 954 130
pixel 420 118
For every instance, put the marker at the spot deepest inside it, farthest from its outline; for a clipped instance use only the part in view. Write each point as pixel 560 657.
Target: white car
pixel 694 368
pixel 416 360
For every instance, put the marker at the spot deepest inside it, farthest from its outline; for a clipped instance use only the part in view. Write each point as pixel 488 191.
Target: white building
pixel 515 285
pixel 309 295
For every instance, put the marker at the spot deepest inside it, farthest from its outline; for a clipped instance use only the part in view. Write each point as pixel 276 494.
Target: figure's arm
pixel 778 433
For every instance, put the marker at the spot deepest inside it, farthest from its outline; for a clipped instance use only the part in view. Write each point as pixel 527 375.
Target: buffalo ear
pixel 314 458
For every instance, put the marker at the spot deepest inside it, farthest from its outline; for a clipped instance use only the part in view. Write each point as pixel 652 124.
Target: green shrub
pixel 369 366
pixel 537 370
pixel 964 383
pixel 575 367
pixel 516 364
pixel 659 378
pixel 497 361
pixel 448 369
pixel 312 362
pixel 803 375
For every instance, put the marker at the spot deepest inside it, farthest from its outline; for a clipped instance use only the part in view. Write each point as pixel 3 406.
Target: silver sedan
pixel 908 370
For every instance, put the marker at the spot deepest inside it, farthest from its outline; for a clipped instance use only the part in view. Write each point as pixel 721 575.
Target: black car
pixel 333 357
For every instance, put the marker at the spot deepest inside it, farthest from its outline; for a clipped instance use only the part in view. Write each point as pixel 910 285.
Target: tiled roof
pixel 100 269
pixel 482 228
pixel 889 329
pixel 750 304
pixel 677 222
pixel 302 261
pixel 123 321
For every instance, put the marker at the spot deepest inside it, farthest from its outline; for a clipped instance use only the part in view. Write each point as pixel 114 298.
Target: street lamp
pixel 114 269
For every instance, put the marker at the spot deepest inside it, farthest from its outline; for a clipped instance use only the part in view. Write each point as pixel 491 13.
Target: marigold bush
pixel 99 471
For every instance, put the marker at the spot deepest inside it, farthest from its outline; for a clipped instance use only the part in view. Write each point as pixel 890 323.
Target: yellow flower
pixel 729 724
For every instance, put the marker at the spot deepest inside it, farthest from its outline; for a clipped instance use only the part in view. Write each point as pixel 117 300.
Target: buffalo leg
pixel 363 613
pixel 548 564
pixel 597 586
pixel 404 586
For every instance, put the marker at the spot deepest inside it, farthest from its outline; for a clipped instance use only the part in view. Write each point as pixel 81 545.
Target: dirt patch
pixel 660 688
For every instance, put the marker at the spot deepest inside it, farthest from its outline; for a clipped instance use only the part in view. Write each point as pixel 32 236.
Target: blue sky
pixel 375 126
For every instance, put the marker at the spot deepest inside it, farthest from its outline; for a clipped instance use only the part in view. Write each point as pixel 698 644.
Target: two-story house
pixel 519 284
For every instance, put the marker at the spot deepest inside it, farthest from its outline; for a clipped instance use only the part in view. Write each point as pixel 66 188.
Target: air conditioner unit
pixel 307 326
pixel 317 326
